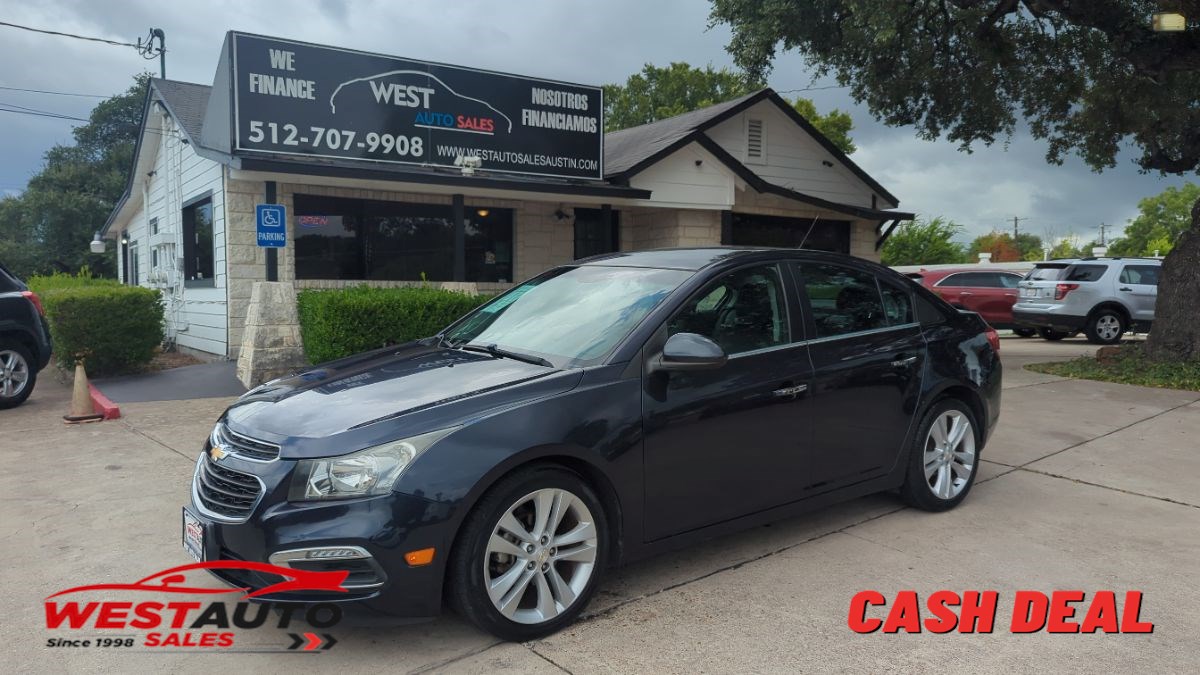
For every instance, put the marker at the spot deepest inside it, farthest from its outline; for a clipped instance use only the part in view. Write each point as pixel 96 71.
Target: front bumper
pixel 383 528
pixel 1033 318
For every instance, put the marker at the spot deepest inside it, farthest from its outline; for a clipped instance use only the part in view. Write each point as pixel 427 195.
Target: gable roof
pixel 187 103
pixel 629 151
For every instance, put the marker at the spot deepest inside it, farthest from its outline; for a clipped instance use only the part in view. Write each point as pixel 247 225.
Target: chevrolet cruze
pixel 598 413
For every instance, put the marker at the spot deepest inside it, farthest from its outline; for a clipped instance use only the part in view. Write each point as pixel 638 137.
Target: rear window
pixel 8 282
pixel 1084 273
pixel 1045 273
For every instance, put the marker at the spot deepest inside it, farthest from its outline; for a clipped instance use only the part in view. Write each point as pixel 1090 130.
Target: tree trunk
pixel 1176 332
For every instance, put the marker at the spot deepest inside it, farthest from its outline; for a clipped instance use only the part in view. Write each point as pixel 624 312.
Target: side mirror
pixel 689 351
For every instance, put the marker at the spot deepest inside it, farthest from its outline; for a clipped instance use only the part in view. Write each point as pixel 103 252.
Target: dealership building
pixel 394 172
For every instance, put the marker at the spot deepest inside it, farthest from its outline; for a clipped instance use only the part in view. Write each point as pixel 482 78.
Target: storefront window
pixel 820 235
pixel 396 241
pixel 198 243
pixel 593 236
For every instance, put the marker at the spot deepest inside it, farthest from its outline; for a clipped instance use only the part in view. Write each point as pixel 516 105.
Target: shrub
pixel 342 322
pixel 57 280
pixel 115 328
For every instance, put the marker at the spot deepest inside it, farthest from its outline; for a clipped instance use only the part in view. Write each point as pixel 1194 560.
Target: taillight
pixel 37 302
pixel 1061 290
pixel 993 338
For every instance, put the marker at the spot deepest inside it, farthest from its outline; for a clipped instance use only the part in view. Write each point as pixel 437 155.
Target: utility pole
pixel 1017 227
pixel 1102 234
pixel 149 51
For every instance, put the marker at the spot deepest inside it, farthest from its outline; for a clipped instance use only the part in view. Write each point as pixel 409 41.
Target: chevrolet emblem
pixel 216 453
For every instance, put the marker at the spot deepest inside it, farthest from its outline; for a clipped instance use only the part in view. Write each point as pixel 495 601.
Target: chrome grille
pixel 244 446
pixel 225 492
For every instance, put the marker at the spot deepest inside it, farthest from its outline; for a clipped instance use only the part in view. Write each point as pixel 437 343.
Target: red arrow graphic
pixel 314 641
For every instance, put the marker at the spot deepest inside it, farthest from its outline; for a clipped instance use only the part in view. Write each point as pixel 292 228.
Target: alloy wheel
pixel 1108 327
pixel 540 556
pixel 14 374
pixel 949 454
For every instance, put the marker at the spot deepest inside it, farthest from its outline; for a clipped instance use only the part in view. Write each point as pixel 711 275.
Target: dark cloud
pixel 589 43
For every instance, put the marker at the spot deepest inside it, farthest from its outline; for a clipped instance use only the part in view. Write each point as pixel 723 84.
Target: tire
pixel 18 375
pixel 1024 332
pixel 488 550
pixel 1105 327
pixel 1052 335
pixel 937 481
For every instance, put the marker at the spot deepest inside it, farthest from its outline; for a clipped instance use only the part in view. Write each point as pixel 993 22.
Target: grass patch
pixel 1127 365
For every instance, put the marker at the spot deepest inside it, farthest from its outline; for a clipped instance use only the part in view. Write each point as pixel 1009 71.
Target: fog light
pixel 418 558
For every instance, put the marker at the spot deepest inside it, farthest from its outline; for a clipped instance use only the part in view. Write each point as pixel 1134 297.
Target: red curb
pixel 102 405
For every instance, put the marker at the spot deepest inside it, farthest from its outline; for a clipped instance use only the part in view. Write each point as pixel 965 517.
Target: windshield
pixel 574 314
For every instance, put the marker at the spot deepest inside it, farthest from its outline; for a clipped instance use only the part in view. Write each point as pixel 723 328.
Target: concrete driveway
pixel 1085 486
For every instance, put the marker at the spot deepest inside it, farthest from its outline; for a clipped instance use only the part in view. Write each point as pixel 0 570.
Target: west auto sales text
pixel 177 624
pixel 975 612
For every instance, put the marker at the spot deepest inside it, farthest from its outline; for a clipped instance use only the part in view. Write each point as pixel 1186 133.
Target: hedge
pixel 342 322
pixel 115 328
pixel 53 282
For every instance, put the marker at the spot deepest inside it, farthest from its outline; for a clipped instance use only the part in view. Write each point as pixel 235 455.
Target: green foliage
pixel 1086 76
pixel 658 93
pixel 1068 247
pixel 835 125
pixel 924 242
pixel 41 284
pixel 342 322
pixel 1129 365
pixel 1160 222
pixel 115 328
pixel 48 227
pixel 999 244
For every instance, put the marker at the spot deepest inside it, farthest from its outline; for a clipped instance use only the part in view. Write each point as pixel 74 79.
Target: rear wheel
pixel 944 458
pixel 17 374
pixel 1048 334
pixel 1105 327
pixel 530 554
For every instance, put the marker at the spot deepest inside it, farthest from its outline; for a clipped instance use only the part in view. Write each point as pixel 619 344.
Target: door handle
pixel 904 363
pixel 787 392
pixel 1124 288
pixel 965 295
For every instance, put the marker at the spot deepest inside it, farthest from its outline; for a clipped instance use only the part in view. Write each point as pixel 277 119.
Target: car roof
pixel 696 259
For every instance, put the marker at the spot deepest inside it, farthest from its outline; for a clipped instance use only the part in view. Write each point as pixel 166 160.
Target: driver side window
pixel 742 311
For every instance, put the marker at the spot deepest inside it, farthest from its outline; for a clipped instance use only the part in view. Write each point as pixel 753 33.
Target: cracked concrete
pixel 1084 486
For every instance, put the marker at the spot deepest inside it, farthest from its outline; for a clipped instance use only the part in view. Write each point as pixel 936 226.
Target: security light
pixel 97 244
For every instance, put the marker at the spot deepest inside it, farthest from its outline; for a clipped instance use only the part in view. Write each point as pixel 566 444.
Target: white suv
pixel 1103 297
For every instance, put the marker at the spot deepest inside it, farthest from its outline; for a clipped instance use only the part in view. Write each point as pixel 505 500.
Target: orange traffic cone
pixel 81 399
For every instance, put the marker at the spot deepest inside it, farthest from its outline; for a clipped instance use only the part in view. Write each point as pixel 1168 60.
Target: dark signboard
pixel 301 99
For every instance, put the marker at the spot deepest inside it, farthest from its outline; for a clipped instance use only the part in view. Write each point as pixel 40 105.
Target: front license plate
pixel 193 536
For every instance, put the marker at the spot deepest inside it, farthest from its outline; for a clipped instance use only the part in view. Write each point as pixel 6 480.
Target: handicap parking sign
pixel 269 225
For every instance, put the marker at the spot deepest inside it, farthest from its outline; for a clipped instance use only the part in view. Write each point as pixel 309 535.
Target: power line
pixel 832 86
pixel 70 35
pixel 56 93
pixel 43 114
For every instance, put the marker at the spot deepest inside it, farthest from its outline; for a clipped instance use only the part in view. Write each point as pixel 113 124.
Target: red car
pixel 990 292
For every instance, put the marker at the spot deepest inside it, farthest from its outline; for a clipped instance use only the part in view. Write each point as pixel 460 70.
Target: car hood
pixel 372 387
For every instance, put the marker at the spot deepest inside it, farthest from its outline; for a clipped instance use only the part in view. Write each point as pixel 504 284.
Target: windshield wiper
pixel 498 352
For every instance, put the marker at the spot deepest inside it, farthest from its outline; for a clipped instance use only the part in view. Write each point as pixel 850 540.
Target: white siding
pixel 677 181
pixel 793 157
pixel 196 316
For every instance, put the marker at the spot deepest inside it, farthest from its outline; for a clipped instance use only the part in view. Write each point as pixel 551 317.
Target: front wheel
pixel 944 459
pixel 1052 335
pixel 530 554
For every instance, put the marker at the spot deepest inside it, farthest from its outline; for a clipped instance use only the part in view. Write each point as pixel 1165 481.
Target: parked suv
pixel 989 292
pixel 1103 297
pixel 24 339
pixel 596 414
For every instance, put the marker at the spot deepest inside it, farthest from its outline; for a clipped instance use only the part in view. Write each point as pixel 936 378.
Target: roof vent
pixel 754 140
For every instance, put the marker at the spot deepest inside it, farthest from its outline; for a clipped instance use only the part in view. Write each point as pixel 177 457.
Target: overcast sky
pixel 589 43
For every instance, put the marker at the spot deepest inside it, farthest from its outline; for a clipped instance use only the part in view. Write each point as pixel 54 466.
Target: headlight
pixel 367 472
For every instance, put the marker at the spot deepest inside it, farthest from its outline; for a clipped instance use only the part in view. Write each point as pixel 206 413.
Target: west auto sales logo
pixel 188 623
